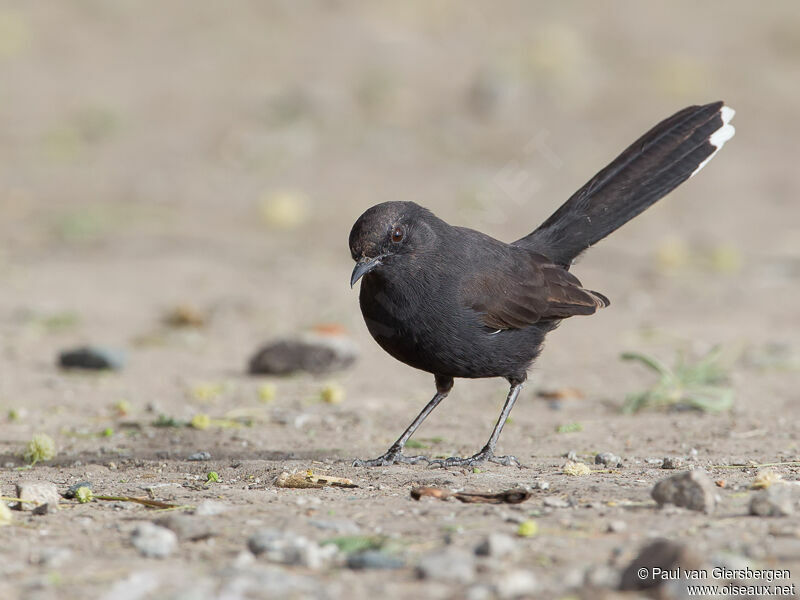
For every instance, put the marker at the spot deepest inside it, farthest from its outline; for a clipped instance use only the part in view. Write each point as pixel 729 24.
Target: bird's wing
pixel 527 290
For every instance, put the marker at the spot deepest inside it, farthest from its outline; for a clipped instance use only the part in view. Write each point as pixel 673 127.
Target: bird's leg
pixel 395 452
pixel 487 453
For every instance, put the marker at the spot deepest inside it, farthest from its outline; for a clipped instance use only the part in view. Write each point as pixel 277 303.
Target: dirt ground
pixel 215 156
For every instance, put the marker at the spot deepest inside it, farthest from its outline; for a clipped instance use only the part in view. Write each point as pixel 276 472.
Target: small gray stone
pixel 53 557
pixel 187 527
pixel 42 509
pixel 289 549
pixel 209 508
pixel 540 485
pixel 672 462
pixel 374 559
pixel 73 489
pixel 92 358
pixel 640 574
pixel 556 502
pixel 39 494
pixel 481 591
pixel 262 540
pixel 153 541
pixel 775 501
pixel 690 489
pixel 608 459
pixel 497 545
pixel 616 526
pixel 449 565
pixel 516 584
pixel 268 582
pixel 340 526
pixel 198 456
pixel 310 353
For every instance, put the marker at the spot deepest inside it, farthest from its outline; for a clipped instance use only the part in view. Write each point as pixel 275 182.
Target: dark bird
pixel 458 303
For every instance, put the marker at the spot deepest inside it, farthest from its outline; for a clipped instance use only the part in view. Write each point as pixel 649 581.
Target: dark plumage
pixel 457 303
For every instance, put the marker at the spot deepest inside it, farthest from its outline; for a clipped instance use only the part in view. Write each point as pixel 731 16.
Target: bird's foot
pixel 476 459
pixel 392 457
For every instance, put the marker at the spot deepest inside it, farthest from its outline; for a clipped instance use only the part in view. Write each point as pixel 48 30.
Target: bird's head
pixel 388 234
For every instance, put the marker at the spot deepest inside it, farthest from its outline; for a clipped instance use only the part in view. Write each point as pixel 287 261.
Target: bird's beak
pixel 364 265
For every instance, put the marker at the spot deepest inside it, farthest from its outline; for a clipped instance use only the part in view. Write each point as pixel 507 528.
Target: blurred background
pixel 177 184
pixel 216 155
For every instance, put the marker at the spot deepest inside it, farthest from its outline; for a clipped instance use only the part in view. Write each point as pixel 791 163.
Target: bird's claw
pixel 476 459
pixel 391 457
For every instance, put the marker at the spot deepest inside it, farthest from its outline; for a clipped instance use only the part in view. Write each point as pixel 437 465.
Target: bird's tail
pixel 654 165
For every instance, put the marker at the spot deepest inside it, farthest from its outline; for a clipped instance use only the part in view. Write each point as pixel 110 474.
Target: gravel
pixel 374 559
pixel 92 358
pixel 309 353
pixel 690 489
pixel 290 549
pixel 73 489
pixel 775 501
pixel 153 541
pixel 199 456
pixel 672 462
pixel 187 527
pixel 608 459
pixel 42 493
pixel 450 565
pixel 497 545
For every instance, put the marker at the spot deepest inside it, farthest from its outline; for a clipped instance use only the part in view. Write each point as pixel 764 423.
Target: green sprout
pixel 212 477
pixel 700 385
pixel 41 447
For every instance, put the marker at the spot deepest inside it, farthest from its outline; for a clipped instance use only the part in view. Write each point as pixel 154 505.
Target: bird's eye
pixel 398 234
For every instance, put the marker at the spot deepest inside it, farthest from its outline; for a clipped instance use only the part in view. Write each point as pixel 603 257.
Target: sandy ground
pixel 139 150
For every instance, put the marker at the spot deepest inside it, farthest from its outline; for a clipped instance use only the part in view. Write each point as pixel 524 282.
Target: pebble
pixel 42 492
pixel 374 559
pixel 608 459
pixel 775 501
pixel 690 489
pixel 616 526
pixel 53 557
pixel 93 358
pixel 450 565
pixel 290 549
pixel 203 455
pixel 260 581
pixel 672 462
pixel 209 508
pixel 662 554
pixel 153 541
pixel 73 489
pixel 540 484
pixel 516 584
pixel 187 527
pixel 310 353
pixel 497 545
pixel 600 577
pixel 340 526
pixel 556 502
pixel 480 591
